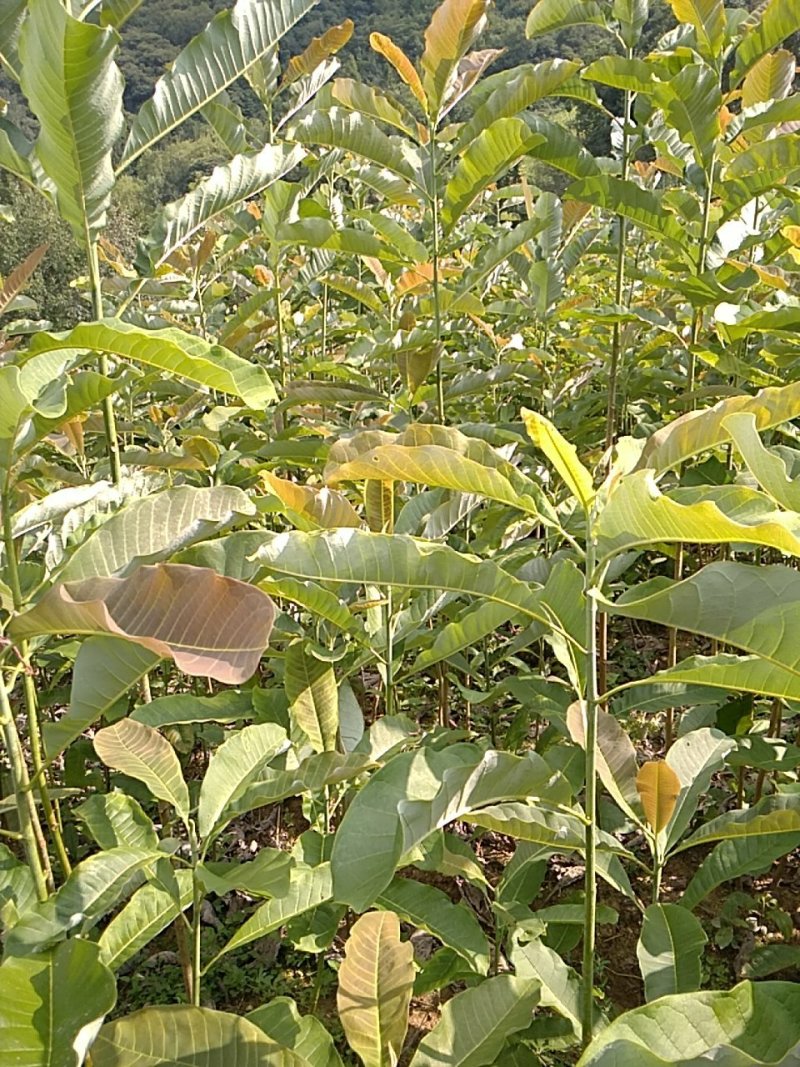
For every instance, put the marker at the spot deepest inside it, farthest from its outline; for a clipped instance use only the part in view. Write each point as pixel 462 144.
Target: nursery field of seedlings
pixel 399 600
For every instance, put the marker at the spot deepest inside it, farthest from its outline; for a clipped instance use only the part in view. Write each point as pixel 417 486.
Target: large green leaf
pixel 309 887
pixel 515 91
pixel 103 672
pixel 550 15
pixel 772 815
pixel 227 48
pixel 208 365
pixel 154 528
pixel 560 986
pixel 429 908
pixel 376 977
pixel 694 758
pixel 474 1025
pixel 357 133
pixel 211 626
pixel 115 819
pixel 53 1004
pixel 626 198
pixel 725 671
pixel 699 431
pixel 374 103
pixel 638 513
pixel 182 1035
pixel 142 753
pixel 93 888
pixel 305 1035
pixel 149 911
pixel 749 1025
pixel 488 156
pixel 669 950
pixel 691 103
pixel 767 467
pixel 227 186
pixel 708 19
pixel 753 608
pixel 777 20
pixel 234 766
pixel 74 88
pixel 310 685
pixel 356 556
pixel 735 857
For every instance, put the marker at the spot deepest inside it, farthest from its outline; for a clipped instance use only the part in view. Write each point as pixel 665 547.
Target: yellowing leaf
pixel 142 753
pixel 453 28
pixel 386 47
pixel 562 455
pixel 320 49
pixel 319 509
pixel 658 787
pixel 375 982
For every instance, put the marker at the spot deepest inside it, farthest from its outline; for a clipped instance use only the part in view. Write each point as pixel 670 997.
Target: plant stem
pixel 26 811
pixel 437 311
pixel 619 284
pixel 590 731
pixel 197 902
pixel 29 694
pixel 109 419
pixel 279 334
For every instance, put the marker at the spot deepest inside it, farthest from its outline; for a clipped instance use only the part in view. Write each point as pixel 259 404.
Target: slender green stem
pixel 109 418
pixel 437 310
pixel 591 705
pixel 280 340
pixel 198 893
pixel 26 810
pixel 29 694
pixel 619 283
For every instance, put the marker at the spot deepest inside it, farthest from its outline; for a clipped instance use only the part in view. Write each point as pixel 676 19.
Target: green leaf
pixel 619 72
pixel 376 977
pixel 149 911
pixel 638 513
pixel 177 1035
pixel 310 887
pixel 374 103
pixel 616 757
pixel 751 607
pixel 699 431
pixel 669 951
pixel 117 12
pixel 474 1024
pixel 313 697
pixel 115 819
pixel 142 753
pixel 626 198
pixel 550 15
pixel 515 91
pixel 74 89
pixel 208 365
pixel 708 19
pixel 724 671
pixel 694 758
pixel 357 133
pixel 767 468
pixel 227 706
pixel 560 987
pixel 53 1004
pixel 747 1025
pixel 772 815
pixel 103 672
pixel 93 888
pixel 267 875
pixel 691 103
pixel 155 528
pixel 778 19
pixel 347 556
pixel 228 185
pixel 305 1035
pixel 432 910
pixel 234 766
pixel 735 857
pixel 562 455
pixel 226 49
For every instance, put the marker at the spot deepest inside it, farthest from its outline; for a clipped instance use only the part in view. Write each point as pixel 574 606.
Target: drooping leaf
pixel 550 15
pixel 211 626
pixel 53 1004
pixel 767 468
pixel 115 819
pixel 375 982
pixel 560 987
pixel 74 88
pixel 735 857
pixel 751 1023
pixel 142 753
pixel 232 43
pixel 777 20
pixel 208 365
pixel 179 1034
pixel 669 950
pixel 304 1035
pixel 318 509
pixel 317 51
pixel 474 1025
